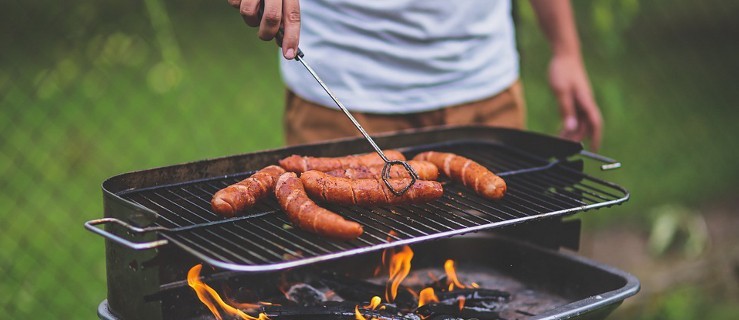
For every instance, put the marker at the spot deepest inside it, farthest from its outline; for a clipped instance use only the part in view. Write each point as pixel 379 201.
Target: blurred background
pixel 97 88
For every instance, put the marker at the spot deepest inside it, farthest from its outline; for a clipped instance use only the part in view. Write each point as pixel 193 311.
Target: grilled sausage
pixel 307 215
pixel 367 192
pixel 470 173
pixel 245 193
pixel 298 164
pixel 425 170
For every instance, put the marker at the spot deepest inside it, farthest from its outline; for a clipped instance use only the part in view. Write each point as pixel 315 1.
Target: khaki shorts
pixel 306 122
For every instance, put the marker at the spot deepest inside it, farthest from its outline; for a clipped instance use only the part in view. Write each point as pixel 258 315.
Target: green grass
pixel 92 91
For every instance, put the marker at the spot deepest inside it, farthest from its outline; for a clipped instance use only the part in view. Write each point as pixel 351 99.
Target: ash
pixel 305 295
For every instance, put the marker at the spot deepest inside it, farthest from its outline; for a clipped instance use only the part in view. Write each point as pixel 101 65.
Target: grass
pixel 84 98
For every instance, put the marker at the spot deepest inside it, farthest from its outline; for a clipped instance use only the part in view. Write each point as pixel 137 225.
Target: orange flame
pixel 399 267
pixel 358 315
pixel 427 296
pixel 207 295
pixel 461 300
pixel 384 259
pixel 451 275
pixel 241 305
pixel 374 303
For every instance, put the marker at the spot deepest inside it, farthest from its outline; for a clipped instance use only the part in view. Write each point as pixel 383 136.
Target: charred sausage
pixel 367 192
pixel 299 164
pixel 307 215
pixel 470 173
pixel 245 193
pixel 425 170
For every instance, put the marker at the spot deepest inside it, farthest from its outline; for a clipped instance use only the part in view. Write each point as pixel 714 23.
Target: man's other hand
pixel 580 113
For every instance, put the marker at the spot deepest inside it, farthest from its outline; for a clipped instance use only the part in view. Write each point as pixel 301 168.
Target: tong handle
pixel 90 225
pixel 388 164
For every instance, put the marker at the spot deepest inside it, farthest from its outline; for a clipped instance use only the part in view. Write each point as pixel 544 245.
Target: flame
pixel 374 303
pixel 399 266
pixel 241 305
pixel 207 295
pixel 427 296
pixel 461 300
pixel 248 305
pixel 451 275
pixel 358 315
pixel 384 259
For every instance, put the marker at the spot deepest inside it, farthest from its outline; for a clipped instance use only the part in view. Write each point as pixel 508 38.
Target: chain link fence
pixel 98 88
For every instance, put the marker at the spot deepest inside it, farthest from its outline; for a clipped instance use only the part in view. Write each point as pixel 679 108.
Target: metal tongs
pixel 300 57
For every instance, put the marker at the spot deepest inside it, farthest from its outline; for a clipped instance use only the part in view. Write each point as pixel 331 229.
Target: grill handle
pixel 610 163
pixel 90 225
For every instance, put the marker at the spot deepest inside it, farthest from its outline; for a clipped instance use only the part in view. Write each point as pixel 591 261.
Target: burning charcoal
pixel 452 311
pixel 439 284
pixel 360 290
pixel 305 295
pixel 327 310
pixel 444 317
pixel 474 294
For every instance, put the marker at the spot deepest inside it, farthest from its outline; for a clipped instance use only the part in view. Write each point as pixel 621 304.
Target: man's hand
pixel 277 13
pixel 580 114
pixel 567 74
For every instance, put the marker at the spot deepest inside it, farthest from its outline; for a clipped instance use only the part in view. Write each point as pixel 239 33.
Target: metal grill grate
pixel 263 238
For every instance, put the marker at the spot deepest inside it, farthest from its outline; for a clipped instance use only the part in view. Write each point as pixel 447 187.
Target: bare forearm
pixel 558 23
pixel 567 76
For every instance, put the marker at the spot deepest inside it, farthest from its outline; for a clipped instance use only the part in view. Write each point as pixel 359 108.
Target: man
pixel 399 64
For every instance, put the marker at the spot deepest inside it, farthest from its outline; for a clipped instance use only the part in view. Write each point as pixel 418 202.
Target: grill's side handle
pixel 90 225
pixel 610 163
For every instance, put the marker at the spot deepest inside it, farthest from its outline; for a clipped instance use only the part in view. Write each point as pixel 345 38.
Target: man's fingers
pixel 249 10
pixel 591 115
pixel 291 23
pixel 569 115
pixel 234 3
pixel 271 19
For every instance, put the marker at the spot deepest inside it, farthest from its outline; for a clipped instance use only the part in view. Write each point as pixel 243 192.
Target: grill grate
pixel 263 239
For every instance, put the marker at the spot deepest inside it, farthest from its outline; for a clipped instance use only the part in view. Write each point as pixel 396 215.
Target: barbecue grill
pixel 159 221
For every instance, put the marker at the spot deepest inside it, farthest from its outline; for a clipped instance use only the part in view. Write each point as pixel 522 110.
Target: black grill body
pixel 544 186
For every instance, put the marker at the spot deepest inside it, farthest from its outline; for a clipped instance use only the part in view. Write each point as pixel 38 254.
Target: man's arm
pixel 567 75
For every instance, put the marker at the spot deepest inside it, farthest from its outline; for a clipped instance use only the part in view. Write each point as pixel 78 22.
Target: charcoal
pixel 439 284
pixel 452 311
pixel 329 310
pixel 305 295
pixel 445 317
pixel 361 290
pixel 474 294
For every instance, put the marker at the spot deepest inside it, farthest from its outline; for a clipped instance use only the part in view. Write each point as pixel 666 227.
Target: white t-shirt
pixel 404 56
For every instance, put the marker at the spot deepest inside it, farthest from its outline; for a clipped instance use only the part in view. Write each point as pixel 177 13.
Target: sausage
pixel 470 173
pixel 299 164
pixel 425 170
pixel 307 215
pixel 245 193
pixel 367 192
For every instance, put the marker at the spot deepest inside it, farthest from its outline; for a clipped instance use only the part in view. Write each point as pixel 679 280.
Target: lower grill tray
pixel 543 284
